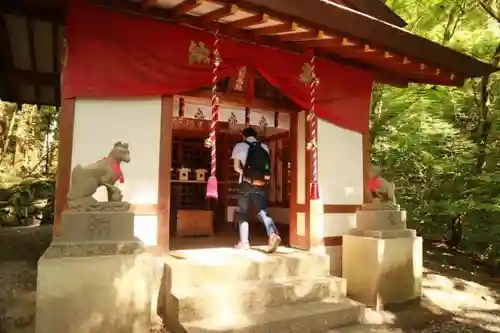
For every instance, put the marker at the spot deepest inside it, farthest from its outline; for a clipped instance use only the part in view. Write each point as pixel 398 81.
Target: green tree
pixel 28 146
pixel 440 145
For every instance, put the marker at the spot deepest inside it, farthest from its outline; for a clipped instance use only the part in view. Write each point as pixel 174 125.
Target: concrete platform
pixel 381 271
pixel 317 317
pixel 226 265
pixel 254 295
pixel 91 288
pixel 227 290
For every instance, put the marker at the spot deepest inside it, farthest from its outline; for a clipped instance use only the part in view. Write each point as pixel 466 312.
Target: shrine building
pixel 178 80
pixel 142 72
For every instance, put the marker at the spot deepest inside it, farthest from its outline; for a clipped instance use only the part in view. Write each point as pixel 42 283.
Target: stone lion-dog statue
pixel 85 180
pixel 381 191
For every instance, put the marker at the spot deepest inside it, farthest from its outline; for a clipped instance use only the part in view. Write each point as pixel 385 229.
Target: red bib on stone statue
pixel 116 168
pixel 374 184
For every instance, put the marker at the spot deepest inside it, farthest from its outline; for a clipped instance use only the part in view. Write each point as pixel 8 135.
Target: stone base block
pixel 403 233
pixel 191 268
pixel 382 271
pixel 380 219
pixel 102 293
pixel 97 226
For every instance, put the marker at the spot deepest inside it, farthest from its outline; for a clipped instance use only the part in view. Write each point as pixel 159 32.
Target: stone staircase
pixel 226 290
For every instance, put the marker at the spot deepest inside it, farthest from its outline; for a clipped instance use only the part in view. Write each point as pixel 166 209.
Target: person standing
pixel 251 160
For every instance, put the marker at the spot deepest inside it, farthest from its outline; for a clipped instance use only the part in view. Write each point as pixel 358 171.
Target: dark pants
pixel 258 196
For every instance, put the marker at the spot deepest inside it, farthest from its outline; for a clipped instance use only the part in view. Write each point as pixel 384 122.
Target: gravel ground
pixel 458 296
pixel 20 249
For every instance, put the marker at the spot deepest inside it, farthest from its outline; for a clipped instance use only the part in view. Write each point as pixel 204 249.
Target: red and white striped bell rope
pixel 212 181
pixel 311 117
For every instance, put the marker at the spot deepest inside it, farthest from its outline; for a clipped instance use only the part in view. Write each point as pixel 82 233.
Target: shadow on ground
pixel 459 295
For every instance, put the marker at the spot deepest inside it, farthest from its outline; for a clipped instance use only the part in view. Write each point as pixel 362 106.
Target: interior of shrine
pixel 192 214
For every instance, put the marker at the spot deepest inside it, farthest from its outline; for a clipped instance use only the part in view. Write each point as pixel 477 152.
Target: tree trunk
pixel 9 133
pixel 480 137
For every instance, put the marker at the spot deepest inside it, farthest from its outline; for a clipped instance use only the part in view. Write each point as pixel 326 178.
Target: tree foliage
pixel 440 145
pixel 28 157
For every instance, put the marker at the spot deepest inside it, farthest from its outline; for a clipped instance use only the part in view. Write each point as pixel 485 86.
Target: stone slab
pixel 380 219
pixel 382 271
pixel 254 295
pixel 314 317
pixel 192 268
pixel 59 249
pixel 97 226
pixel 403 233
pixel 98 294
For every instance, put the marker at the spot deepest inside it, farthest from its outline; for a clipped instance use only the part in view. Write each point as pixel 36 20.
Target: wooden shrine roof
pixel 30 39
pixel 374 8
pixel 361 33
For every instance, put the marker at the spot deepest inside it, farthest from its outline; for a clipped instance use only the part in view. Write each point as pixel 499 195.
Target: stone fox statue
pixel 85 180
pixel 381 190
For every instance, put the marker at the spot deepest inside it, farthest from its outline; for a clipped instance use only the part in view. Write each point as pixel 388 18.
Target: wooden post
pixel 65 153
pixel 167 105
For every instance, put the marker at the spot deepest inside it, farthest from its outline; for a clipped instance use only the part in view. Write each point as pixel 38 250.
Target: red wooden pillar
pixel 366 166
pixel 296 240
pixel 64 157
pixel 163 212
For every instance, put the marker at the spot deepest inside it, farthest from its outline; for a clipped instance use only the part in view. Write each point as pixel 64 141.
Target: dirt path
pixel 20 249
pixel 459 296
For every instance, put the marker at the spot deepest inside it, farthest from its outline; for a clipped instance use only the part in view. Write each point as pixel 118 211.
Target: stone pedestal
pixel 381 259
pixel 381 219
pixel 107 226
pixel 95 277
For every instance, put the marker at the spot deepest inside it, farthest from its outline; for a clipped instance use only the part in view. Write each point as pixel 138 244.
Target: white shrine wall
pixel 340 153
pixel 98 124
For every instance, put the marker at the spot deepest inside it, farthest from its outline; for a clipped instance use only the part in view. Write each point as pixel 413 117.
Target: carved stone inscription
pixel 393 218
pixel 99 227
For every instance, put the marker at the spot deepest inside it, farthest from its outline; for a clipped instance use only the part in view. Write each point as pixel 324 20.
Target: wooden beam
pixel 249 21
pixel 43 13
pixel 219 13
pixel 56 64
pixel 391 80
pixel 224 29
pixel 165 163
pixel 31 44
pixel 304 35
pixel 338 51
pixel 325 42
pixel 389 62
pixel 338 19
pixel 6 62
pixel 4 84
pixel 185 7
pixel 275 29
pixel 238 100
pixel 31 77
pixel 149 3
pixel 403 64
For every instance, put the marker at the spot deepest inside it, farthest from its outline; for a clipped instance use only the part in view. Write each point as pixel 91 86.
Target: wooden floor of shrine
pixel 228 237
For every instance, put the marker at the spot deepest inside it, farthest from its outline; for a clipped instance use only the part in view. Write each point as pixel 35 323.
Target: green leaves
pixel 441 145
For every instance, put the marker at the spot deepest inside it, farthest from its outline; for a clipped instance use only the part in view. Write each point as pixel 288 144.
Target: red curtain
pixel 343 94
pixel 112 54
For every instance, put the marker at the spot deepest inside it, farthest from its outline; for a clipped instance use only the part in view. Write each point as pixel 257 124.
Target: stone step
pixel 191 268
pixel 367 328
pixel 254 295
pixel 315 317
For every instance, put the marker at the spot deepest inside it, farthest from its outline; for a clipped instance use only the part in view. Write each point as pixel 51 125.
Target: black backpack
pixel 258 162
